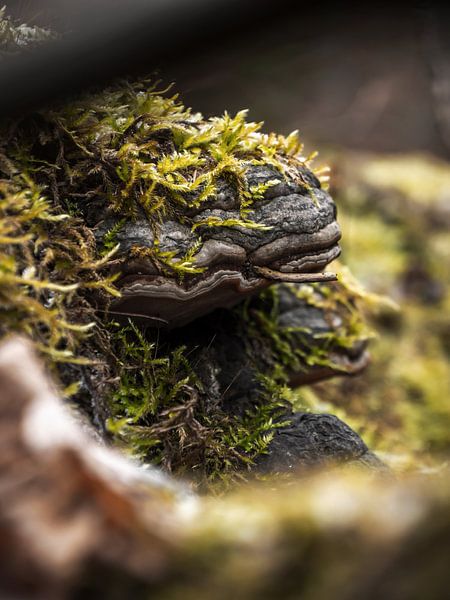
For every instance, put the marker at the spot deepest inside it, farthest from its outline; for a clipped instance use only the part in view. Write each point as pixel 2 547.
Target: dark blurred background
pixel 370 76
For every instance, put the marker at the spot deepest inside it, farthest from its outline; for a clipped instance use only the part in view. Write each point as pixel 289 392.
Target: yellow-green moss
pixel 47 263
pixel 395 238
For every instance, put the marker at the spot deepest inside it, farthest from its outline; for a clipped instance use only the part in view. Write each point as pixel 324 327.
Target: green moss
pixel 161 412
pixel 169 261
pixel 297 349
pixel 109 241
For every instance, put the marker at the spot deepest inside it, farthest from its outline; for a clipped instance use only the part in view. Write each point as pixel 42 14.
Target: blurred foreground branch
pixel 77 518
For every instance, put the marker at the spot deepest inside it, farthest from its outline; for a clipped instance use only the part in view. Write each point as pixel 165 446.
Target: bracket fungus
pixel 136 219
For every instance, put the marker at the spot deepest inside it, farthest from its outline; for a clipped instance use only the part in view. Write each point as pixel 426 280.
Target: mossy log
pixel 125 216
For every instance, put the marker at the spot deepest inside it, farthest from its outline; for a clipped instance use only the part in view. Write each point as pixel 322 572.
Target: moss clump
pixel 163 412
pixel 153 152
pixel 47 265
pixel 297 348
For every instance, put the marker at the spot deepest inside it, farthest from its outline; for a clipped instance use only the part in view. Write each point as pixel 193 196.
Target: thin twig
pixel 295 277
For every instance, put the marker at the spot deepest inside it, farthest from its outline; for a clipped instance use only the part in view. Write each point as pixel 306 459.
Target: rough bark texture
pixel 311 440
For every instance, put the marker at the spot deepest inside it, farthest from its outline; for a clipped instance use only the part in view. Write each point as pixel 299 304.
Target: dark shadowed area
pixel 373 77
pixel 365 76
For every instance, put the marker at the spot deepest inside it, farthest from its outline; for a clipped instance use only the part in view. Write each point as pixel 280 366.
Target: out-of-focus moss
pixel 394 213
pixel 422 179
pixel 334 536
